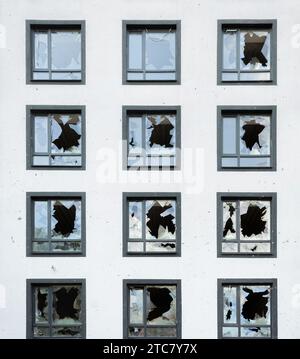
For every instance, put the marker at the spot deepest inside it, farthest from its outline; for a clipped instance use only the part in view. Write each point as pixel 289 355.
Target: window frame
pixel 153 282
pixel 30 197
pixel 31 110
pixel 236 111
pixel 248 281
pixel 145 110
pixel 272 196
pixel 151 23
pixel 31 283
pixel 49 25
pixel 240 23
pixel 145 196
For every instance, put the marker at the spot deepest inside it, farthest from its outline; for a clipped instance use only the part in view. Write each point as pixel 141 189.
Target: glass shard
pixel 161 305
pixel 136 314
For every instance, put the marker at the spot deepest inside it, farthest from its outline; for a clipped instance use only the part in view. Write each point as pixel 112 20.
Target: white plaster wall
pixel 104 268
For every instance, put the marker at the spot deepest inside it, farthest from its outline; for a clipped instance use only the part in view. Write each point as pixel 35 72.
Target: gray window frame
pixel 156 24
pixel 273 225
pixel 32 110
pixel 236 111
pixel 248 281
pixel 144 196
pixel 154 282
pixel 30 197
pixel 49 24
pixel 273 57
pixel 144 110
pixel 31 283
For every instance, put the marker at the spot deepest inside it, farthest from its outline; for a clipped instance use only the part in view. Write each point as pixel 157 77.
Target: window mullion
pixel 144 54
pixel 144 225
pixel 49 223
pixel 238 307
pixel 49 54
pixel 49 138
pixel 145 310
pixel 237 134
pixel 50 309
pixel 238 224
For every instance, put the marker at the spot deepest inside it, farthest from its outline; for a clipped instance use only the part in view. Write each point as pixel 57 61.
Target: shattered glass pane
pixel 40 246
pixel 160 50
pixel 66 332
pixel 229 220
pixel 66 305
pixel 255 220
pixel 41 50
pixel 41 304
pixel 229 50
pixel 160 134
pixel 66 76
pixel 255 247
pixel 135 219
pixel 66 50
pixel 160 219
pixel 135 135
pixel 40 332
pixel 229 301
pixel 161 305
pixel 229 135
pixel 40 219
pixel 66 219
pixel 40 160
pixel 136 305
pixel 136 332
pixel 66 161
pixel 255 332
pixel 41 134
pixel 229 247
pixel 255 135
pixel 161 332
pixel 66 134
pixel 65 246
pixel 232 332
pixel 135 50
pixel 255 50
pixel 161 247
pixel 255 162
pixel 255 304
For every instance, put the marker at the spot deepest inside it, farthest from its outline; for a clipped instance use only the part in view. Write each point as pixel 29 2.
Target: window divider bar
pixel 144 54
pixel 145 310
pixel 49 222
pixel 49 54
pixel 238 309
pixel 144 225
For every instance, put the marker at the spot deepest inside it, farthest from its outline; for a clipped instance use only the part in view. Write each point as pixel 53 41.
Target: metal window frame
pixel 240 23
pixel 248 281
pixel 237 110
pixel 49 24
pixel 31 283
pixel 156 24
pixel 246 196
pixel 154 282
pixel 150 109
pixel 151 195
pixel 30 111
pixel 30 197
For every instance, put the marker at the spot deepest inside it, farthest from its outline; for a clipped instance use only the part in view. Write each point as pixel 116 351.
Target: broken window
pixel 247 225
pixel 57 310
pixel 247 309
pixel 57 225
pixel 152 139
pixel 247 52
pixel 151 52
pixel 56 52
pixel 152 310
pixel 56 139
pixel 152 225
pixel 247 139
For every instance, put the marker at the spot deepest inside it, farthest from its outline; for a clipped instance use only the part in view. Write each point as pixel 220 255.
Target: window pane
pixel 161 332
pixel 65 134
pixel 41 304
pixel 65 246
pixel 229 162
pixel 66 332
pixel 135 247
pixel 160 219
pixel 168 247
pixel 40 219
pixel 229 135
pixel 40 75
pixel 161 76
pixel 160 134
pixel 255 304
pixel 229 76
pixel 255 76
pixel 160 50
pixel 255 162
pixel 40 161
pixel 66 305
pixel 255 247
pixel 41 50
pixel 229 302
pixel 40 332
pixel 229 50
pixel 66 76
pixel 136 306
pixel 135 50
pixel 135 135
pixel 230 332
pixel 66 161
pixel 229 220
pixel 41 134
pixel 136 332
pixel 135 76
pixel 66 50
pixel 66 219
pixel 255 332
pixel 255 135
pixel 135 219
pixel 229 247
pixel 255 50
pixel 161 305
